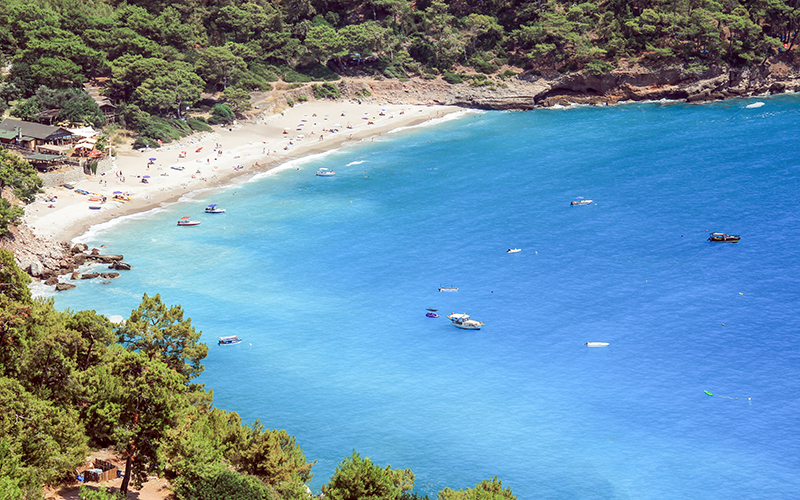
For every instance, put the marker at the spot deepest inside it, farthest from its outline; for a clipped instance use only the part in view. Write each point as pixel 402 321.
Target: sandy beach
pixel 213 159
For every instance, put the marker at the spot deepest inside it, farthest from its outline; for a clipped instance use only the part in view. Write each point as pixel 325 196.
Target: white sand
pixel 257 146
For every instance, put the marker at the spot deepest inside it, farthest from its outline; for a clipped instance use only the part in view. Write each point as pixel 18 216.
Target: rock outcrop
pixel 45 259
pixel 531 90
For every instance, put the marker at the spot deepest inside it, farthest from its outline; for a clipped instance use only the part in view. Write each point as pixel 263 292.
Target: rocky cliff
pixel 528 90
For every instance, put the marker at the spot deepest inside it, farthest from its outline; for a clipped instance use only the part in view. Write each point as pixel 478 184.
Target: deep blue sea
pixel 327 281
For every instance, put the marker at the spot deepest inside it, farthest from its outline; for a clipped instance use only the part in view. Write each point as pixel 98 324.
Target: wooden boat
pixel 724 238
pixel 186 221
pixel 596 344
pixel 580 202
pixel 229 340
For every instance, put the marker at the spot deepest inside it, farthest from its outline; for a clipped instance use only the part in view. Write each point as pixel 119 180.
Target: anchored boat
pixel 214 209
pixel 186 221
pixel 464 322
pixel 724 238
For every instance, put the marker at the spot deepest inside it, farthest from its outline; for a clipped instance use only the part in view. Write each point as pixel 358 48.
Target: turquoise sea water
pixel 327 280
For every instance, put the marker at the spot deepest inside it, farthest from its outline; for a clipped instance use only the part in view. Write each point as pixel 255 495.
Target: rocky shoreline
pixel 47 260
pixel 528 90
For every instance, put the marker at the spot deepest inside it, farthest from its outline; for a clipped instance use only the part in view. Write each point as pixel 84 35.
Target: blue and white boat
pixel 214 209
pixel 228 340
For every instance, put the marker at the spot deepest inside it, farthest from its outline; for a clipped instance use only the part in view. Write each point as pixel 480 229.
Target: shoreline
pixel 245 150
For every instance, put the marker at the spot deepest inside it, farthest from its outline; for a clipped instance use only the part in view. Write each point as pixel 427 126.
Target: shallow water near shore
pixel 327 281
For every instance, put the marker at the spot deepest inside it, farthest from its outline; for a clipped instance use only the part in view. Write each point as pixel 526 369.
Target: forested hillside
pixel 159 55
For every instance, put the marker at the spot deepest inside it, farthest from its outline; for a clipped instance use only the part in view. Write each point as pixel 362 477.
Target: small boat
pixel 324 172
pixel 513 250
pixel 580 202
pixel 433 310
pixel 596 344
pixel 724 238
pixel 229 340
pixel 464 322
pixel 177 167
pixel 431 315
pixel 214 209
pixel 186 221
pixel 447 289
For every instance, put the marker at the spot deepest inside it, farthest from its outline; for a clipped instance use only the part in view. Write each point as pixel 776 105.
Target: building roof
pixel 43 157
pixel 35 130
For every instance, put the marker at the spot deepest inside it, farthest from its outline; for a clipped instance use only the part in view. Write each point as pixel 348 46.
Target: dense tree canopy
pixel 160 54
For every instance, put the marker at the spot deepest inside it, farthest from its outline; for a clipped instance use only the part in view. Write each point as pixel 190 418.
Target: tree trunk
pixel 127 479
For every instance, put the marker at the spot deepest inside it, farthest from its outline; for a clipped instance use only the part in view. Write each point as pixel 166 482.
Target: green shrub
pixel 509 73
pixel 394 72
pixel 326 91
pixel 221 113
pixel 483 63
pixel 198 124
pixel 314 72
pixel 302 98
pixel 453 78
pixel 290 102
pixel 598 67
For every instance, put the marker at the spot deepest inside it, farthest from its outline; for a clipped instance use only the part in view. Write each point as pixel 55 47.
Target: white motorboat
pixel 596 344
pixel 186 221
pixel 464 322
pixel 324 172
pixel 214 209
pixel 580 202
pixel 513 250
pixel 228 340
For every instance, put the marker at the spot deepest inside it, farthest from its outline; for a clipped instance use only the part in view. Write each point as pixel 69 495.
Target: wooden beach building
pixel 19 134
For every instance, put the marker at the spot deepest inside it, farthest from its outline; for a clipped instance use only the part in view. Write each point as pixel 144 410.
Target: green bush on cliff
pixel 326 91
